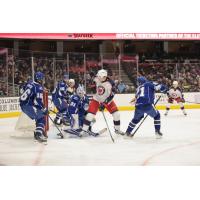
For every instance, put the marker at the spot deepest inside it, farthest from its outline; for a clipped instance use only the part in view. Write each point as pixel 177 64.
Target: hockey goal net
pixel 25 126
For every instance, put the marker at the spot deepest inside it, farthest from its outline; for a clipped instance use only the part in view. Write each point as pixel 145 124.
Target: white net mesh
pixel 24 126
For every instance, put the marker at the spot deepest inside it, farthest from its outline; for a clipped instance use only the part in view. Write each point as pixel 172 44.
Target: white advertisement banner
pixel 9 104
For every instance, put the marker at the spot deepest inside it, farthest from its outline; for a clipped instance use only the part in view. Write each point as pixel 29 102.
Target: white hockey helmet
pixel 80 91
pixel 102 73
pixel 71 82
pixel 175 84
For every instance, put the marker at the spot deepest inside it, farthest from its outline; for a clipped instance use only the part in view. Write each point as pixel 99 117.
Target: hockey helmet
pixel 102 73
pixel 80 91
pixel 71 82
pixel 175 84
pixel 141 80
pixel 39 76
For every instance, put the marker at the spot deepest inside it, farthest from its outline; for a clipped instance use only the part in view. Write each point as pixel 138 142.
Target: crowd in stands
pixel 165 71
pixel 186 73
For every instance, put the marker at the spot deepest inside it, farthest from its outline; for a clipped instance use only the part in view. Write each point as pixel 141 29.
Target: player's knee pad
pixel 116 116
pixel 157 117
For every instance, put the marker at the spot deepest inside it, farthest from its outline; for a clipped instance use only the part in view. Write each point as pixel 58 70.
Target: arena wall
pixel 9 106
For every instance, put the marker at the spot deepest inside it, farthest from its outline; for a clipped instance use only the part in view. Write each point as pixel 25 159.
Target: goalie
pixel 79 104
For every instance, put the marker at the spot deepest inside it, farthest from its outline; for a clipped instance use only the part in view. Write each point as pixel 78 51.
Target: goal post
pixel 45 101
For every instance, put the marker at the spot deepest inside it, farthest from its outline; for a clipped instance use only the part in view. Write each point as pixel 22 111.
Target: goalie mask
pixel 80 92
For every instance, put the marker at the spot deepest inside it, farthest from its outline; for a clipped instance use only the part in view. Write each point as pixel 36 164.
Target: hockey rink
pixel 179 146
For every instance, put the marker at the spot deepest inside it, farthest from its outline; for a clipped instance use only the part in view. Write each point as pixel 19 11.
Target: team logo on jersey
pixel 174 95
pixel 100 90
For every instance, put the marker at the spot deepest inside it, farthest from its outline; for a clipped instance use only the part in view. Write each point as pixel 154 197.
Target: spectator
pixel 121 87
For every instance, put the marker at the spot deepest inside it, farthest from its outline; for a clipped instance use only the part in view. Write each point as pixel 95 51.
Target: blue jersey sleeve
pixel 85 103
pixel 60 91
pixel 38 101
pixel 160 87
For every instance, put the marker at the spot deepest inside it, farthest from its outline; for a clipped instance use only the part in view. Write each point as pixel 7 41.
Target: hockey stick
pixel 144 118
pixel 60 133
pixel 108 126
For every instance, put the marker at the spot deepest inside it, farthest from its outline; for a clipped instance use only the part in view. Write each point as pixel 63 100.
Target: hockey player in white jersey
pixel 175 95
pixel 105 91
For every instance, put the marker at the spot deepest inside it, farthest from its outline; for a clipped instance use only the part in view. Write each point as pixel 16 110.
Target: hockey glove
pixel 101 107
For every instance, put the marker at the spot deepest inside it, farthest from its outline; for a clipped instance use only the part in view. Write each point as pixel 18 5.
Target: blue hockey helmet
pixel 39 76
pixel 141 80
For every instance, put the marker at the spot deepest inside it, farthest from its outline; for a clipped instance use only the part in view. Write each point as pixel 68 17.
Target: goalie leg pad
pixel 74 122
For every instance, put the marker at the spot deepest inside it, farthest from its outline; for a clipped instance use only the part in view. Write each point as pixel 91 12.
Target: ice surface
pixel 179 146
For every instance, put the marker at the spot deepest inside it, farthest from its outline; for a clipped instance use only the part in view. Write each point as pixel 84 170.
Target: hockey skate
pixel 39 137
pixel 184 113
pixel 128 135
pixel 118 132
pixel 166 113
pixel 58 121
pixel 158 134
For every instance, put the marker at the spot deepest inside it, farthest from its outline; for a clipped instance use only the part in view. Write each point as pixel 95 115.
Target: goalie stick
pixel 74 132
pixel 144 118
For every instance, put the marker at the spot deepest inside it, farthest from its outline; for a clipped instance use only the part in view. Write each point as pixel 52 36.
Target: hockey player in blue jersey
pixel 31 103
pixel 79 104
pixel 60 99
pixel 78 107
pixel 144 100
